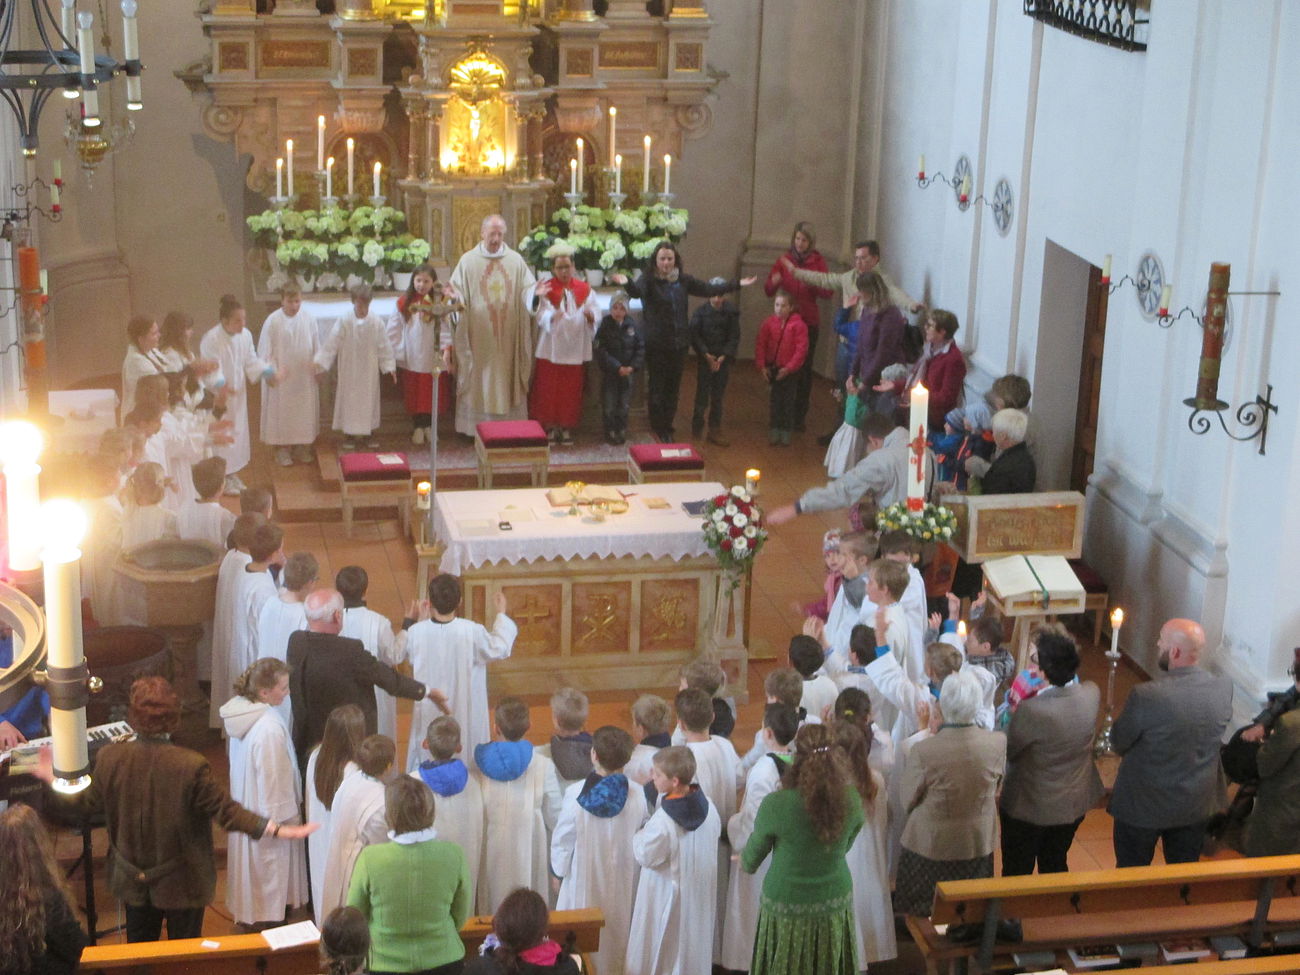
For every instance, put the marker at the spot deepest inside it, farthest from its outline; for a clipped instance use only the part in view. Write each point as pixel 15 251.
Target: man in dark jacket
pixel 1013 470
pixel 326 670
pixel 715 337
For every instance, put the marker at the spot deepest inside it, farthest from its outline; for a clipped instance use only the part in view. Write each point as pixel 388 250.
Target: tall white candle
pixel 1105 269
pixel 917 430
pixel 62 524
pixel 288 155
pixel 279 178
pixel 352 146
pixel 131 49
pixel 613 126
pixel 1116 622
pixel 378 168
pixel 320 142
pixel 645 166
pixel 20 446
pixel 68 22
pixel 573 177
pixel 618 173
pixel 920 167
pixel 86 43
pixel 58 170
pixel 581 163
pixel 668 173
pixel 1166 296
pixel 329 176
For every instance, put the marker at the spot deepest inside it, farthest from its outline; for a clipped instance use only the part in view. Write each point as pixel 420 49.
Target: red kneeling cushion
pixel 511 433
pixel 370 467
pixel 651 457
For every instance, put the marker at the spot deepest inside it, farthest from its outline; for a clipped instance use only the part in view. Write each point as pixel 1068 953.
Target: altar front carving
pixel 469 106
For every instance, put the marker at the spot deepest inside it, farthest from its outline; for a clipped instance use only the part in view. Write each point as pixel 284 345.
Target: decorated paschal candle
pixel 1216 312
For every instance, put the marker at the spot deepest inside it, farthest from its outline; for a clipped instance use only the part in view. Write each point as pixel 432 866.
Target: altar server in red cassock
pixel 567 314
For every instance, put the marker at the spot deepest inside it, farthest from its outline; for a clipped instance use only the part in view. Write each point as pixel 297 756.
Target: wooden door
pixel 1094 340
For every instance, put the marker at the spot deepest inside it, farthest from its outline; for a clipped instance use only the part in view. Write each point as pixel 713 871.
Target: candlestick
pixel 68 20
pixel 752 478
pixel 279 178
pixel 573 177
pixel 378 168
pixel 1105 270
pixel 582 162
pixel 645 167
pixel 920 168
pixel 320 141
pixel 1116 621
pixel 668 173
pixel 613 127
pixel 86 44
pixel 965 189
pixel 329 176
pixel 1166 295
pixel 618 172
pixel 961 629
pixel 918 417
pixel 131 49
pixel 62 525
pixel 54 195
pixel 58 171
pixel 422 495
pixel 20 446
pixel 1104 745
pixel 288 155
pixel 45 281
pixel 351 151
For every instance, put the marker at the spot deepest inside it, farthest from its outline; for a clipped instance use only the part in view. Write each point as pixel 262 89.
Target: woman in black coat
pixel 664 289
pixel 39 931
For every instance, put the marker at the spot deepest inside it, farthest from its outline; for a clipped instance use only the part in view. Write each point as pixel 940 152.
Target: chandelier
pixel 29 76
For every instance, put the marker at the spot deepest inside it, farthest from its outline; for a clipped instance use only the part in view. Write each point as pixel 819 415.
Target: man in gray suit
pixel 1170 780
pixel 1051 779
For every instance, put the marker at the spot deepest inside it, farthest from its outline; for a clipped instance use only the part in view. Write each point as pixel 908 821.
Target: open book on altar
pixel 1034 584
pixel 562 497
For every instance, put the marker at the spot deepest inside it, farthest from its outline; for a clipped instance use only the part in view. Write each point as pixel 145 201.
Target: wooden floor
pixel 788 573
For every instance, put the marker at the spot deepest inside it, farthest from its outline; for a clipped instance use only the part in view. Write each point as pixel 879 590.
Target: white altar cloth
pixel 467 523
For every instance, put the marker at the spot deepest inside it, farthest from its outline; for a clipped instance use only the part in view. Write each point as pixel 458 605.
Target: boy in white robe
pixel 591 851
pixel 819 691
pixel 265 876
pixel 459 803
pixel 376 635
pixel 229 577
pixel 744 890
pixel 253 587
pixel 204 517
pixel 231 344
pixel 452 654
pixel 676 895
pixel 521 802
pixel 898 546
pixel 285 614
pixel 291 403
pixel 887 582
pixel 652 721
pixel 781 686
pixel 718 773
pixel 356 819
pixel 360 342
pixel 851 605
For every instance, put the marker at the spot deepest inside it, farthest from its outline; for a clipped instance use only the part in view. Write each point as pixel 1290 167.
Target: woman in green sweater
pixel 805 919
pixel 414 891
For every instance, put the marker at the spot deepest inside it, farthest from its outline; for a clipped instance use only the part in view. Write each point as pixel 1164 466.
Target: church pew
pixel 248 954
pixel 1245 897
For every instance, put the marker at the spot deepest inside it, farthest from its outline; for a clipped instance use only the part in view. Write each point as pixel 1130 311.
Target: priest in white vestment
pixel 291 401
pixel 493 341
pixel 231 344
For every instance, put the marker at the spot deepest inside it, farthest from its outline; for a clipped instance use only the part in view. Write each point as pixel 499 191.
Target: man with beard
pixel 1170 781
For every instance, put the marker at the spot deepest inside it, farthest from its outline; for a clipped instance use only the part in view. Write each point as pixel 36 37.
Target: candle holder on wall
pixel 16 213
pixel 1252 415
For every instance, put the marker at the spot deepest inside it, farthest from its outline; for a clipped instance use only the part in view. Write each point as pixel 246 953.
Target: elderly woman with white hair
pixel 950 790
pixel 567 313
pixel 1013 470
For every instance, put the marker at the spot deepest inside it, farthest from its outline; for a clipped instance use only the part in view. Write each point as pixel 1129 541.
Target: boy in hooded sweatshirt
pixel 676 894
pixel 521 802
pixel 591 851
pixel 570 746
pixel 460 800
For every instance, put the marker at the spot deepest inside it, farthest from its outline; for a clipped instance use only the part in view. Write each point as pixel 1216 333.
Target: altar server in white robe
pixel 676 894
pixel 356 819
pixel 591 851
pixel 265 876
pixel 291 403
pixel 103 544
pixel 205 518
pixel 898 546
pixel 376 634
pixel 459 795
pixel 229 575
pixel 285 613
pixel 521 802
pixel 745 890
pixel 567 313
pixel 142 357
pixel 851 605
pixel 328 766
pixel 360 342
pixel 230 343
pixel 253 586
pixel 652 724
pixel 452 654
pixel 144 519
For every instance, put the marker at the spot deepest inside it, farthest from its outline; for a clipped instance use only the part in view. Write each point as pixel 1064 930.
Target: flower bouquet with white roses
pixel 733 530
pixel 933 523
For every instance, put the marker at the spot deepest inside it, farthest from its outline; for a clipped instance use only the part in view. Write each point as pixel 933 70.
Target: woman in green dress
pixel 805 919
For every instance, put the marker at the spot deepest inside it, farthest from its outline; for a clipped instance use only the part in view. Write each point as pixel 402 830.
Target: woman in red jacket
pixel 781 351
pixel 941 369
pixel 802 254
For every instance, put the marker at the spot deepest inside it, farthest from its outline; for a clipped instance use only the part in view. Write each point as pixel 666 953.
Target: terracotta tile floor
pixel 789 571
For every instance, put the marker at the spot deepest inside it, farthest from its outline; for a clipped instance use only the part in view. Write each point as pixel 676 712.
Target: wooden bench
pixel 1250 898
pixel 249 954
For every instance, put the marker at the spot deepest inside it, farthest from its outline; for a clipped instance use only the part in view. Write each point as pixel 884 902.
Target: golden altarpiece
pixel 470 106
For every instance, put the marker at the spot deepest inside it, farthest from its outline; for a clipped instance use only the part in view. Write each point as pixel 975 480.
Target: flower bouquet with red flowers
pixel 733 530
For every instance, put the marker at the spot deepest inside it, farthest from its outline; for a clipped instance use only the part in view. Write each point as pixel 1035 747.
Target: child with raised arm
pixel 521 802
pixel 420 334
pixel 230 343
pixel 744 890
pixel 291 403
pixel 570 745
pixel 459 796
pixel 360 342
pixel 676 911
pixel 376 635
pixel 452 654
pixel 652 721
pixel 591 851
